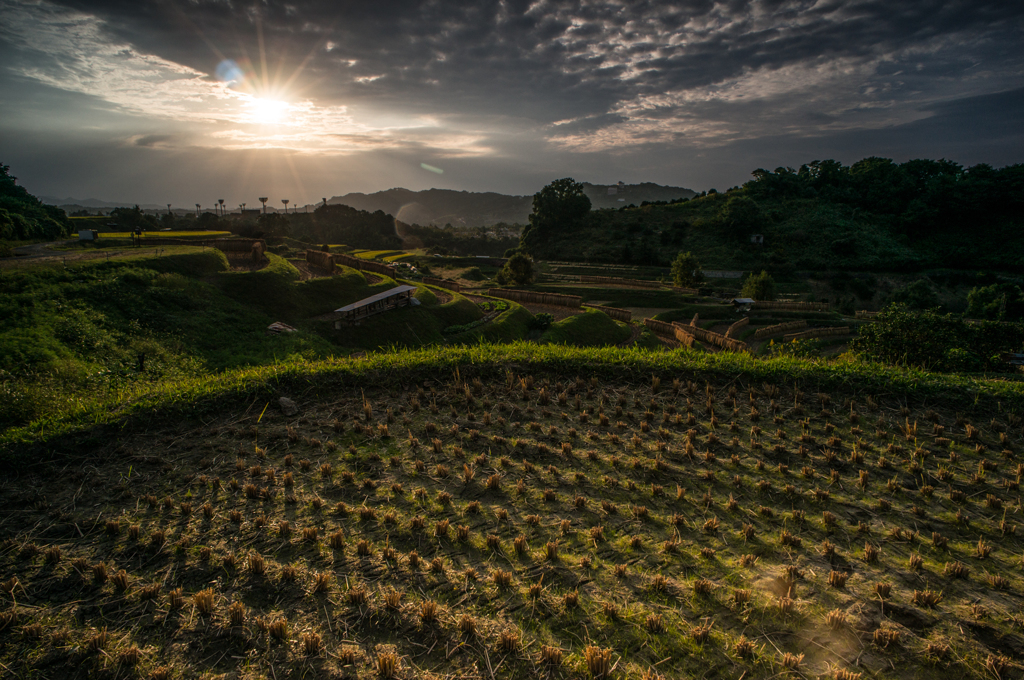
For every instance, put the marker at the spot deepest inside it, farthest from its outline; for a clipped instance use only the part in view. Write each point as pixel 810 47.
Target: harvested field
pixel 462 524
pixel 309 271
pixel 554 310
pixel 242 262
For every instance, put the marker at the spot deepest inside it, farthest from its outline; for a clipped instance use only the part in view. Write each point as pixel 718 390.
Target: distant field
pixel 166 234
pixel 373 254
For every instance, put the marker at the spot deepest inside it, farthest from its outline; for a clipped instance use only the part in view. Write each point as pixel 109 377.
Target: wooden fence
pixel 617 281
pixel 818 333
pixel 660 327
pixel 442 283
pixel 319 258
pixel 614 312
pixel 713 338
pixel 683 337
pixel 800 306
pixel 769 331
pixel 363 265
pixel 530 297
pixel 733 329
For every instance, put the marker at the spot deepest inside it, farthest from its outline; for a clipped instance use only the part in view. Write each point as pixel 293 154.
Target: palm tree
pixel 197 210
pixel 168 208
pixel 264 200
pixel 285 201
pixel 325 201
pixel 221 201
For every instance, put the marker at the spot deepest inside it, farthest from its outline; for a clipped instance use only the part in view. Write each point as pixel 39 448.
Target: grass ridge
pixel 198 395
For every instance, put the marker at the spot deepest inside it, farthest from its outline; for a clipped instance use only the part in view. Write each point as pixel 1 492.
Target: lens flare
pixel 431 168
pixel 230 73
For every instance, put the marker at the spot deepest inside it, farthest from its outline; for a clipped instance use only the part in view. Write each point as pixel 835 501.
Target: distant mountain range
pixel 470 209
pixel 440 206
pixel 71 204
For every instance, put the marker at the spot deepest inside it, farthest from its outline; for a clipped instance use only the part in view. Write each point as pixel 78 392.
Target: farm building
pixel 399 296
pixel 743 304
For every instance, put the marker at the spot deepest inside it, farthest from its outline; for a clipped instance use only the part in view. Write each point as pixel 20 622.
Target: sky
pixel 191 101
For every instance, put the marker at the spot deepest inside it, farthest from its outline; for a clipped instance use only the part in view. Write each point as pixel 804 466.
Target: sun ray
pixel 263 51
pixel 299 184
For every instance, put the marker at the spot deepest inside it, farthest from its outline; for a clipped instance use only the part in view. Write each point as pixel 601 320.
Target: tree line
pixel 23 217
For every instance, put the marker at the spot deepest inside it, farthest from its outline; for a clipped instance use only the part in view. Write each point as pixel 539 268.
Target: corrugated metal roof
pixel 376 298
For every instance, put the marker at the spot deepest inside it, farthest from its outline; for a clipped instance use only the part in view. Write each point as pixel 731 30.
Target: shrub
pixel 518 271
pixel 759 286
pixel 541 321
pixel 936 342
pixel 686 270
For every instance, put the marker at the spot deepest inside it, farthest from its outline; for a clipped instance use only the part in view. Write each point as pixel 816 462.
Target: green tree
pixel 273 225
pixel 999 302
pixel 28 218
pixel 686 270
pixel 918 295
pixel 518 271
pixel 128 219
pixel 759 286
pixel 557 208
pixel 741 214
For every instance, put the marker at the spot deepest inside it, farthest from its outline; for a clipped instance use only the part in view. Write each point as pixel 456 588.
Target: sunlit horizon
pixel 159 103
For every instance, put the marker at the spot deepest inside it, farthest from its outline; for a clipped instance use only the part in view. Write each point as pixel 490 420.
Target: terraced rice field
pixel 539 526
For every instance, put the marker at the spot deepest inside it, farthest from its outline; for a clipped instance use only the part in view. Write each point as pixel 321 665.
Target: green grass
pixel 592 328
pixel 201 391
pixel 99 328
pixel 377 254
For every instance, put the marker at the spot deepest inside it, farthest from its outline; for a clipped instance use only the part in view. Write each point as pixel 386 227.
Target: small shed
pixel 88 234
pixel 743 304
pixel 399 296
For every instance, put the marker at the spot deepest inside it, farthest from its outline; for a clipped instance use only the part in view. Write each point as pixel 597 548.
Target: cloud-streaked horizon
pixel 121 100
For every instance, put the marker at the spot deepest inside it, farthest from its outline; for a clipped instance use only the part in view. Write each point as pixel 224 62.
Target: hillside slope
pixel 472 209
pixel 875 215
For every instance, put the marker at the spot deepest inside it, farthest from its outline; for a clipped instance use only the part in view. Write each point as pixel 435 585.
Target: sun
pixel 268 111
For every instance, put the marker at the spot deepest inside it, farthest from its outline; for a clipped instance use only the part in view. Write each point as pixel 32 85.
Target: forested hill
pixel 470 209
pixel 873 215
pixel 23 217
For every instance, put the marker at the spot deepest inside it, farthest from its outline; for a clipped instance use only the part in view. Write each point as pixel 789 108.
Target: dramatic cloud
pixel 501 95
